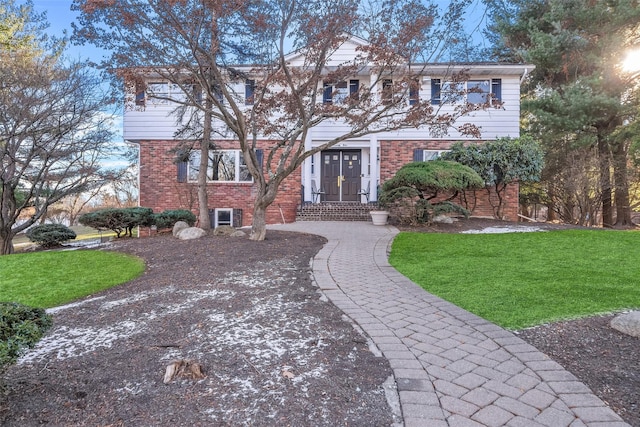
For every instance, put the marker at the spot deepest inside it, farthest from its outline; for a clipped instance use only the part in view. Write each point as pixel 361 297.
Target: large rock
pixel 178 227
pixel 224 230
pixel 191 233
pixel 627 323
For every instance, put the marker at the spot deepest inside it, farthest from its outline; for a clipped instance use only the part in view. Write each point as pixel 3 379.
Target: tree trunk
pixel 259 224
pixel 605 182
pixel 6 244
pixel 203 196
pixel 623 209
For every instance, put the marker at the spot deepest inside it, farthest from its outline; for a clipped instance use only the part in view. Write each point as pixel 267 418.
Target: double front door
pixel 341 171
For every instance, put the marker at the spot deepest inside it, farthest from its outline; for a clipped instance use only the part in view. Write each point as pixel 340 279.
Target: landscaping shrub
pixel 120 220
pixel 420 191
pixel 49 235
pixel 168 218
pixel 21 327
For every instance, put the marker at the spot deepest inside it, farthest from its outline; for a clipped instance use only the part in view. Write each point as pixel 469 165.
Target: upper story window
pixel 477 91
pixel 337 93
pixel 224 166
pixel 249 91
pixel 387 91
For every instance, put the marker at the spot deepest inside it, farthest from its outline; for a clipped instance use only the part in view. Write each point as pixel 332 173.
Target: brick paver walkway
pixel 451 367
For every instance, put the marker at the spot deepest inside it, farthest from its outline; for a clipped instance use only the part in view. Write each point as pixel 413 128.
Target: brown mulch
pixel 272 349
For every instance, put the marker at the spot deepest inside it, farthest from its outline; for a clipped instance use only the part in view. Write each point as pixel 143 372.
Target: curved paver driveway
pixel 452 368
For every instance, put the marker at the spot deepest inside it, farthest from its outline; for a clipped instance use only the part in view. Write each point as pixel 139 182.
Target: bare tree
pixel 52 133
pixel 209 43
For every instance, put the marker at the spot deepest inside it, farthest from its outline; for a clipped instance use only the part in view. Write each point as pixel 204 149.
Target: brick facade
pixel 160 189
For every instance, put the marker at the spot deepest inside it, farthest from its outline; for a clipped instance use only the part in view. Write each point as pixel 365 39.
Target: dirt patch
pixel 274 351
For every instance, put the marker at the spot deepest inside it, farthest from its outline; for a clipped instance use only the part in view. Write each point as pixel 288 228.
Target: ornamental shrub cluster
pixel 50 235
pixel 21 327
pixel 122 221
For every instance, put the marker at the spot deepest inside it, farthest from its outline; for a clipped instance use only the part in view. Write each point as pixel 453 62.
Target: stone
pixel 443 219
pixel 627 323
pixel 178 227
pixel 238 233
pixel 191 233
pixel 224 230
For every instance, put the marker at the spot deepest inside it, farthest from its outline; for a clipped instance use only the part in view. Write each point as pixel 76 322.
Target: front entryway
pixel 341 175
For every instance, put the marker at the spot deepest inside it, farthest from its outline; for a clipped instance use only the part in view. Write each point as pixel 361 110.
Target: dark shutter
pixel 327 94
pixel 354 86
pixel 496 89
pixel 436 87
pixel 249 91
pixel 414 92
pixel 418 155
pixel 260 157
pixel 182 171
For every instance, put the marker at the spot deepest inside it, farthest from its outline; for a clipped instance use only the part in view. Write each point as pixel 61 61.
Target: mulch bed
pixel 273 350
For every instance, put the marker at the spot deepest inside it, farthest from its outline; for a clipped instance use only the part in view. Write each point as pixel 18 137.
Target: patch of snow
pixel 67 342
pixel 54 310
pixel 498 230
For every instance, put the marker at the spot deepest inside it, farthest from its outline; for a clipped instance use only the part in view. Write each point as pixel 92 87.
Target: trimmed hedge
pixel 168 218
pixel 50 235
pixel 121 221
pixel 21 327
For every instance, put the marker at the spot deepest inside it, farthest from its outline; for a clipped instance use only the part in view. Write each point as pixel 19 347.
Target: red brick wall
pixel 395 154
pixel 160 189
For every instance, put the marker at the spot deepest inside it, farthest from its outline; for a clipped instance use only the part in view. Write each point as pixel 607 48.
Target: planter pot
pixel 379 217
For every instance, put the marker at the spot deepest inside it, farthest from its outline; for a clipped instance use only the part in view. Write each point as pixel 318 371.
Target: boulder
pixel 191 233
pixel 238 233
pixel 178 227
pixel 224 230
pixel 627 323
pixel 443 219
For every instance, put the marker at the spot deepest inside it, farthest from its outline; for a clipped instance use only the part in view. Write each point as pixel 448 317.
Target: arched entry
pixel 341 175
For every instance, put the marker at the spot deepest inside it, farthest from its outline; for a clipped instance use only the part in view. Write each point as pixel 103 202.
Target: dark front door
pixel 341 171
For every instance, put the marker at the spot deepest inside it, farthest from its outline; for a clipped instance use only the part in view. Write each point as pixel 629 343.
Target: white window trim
pixel 216 221
pixel 238 159
pixel 437 153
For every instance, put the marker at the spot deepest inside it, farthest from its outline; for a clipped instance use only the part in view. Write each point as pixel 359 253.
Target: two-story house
pixel 350 171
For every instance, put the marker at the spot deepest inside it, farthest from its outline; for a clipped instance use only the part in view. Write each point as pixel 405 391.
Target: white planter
pixel 379 217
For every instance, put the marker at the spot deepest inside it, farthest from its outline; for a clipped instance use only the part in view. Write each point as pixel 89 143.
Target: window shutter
pixel 354 86
pixel 327 94
pixel 496 89
pixel 249 91
pixel 260 157
pixel 418 155
pixel 182 171
pixel 436 87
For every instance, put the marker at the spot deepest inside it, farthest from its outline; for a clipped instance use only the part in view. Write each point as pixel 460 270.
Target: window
pixel 387 91
pixel 223 216
pixel 158 92
pixel 478 91
pixel 217 93
pixel 420 155
pixel 224 166
pixel 249 91
pixel 339 92
pixel 436 86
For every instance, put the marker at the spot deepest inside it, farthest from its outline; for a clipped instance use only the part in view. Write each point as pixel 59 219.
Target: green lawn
pixel 48 279
pixel 523 279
